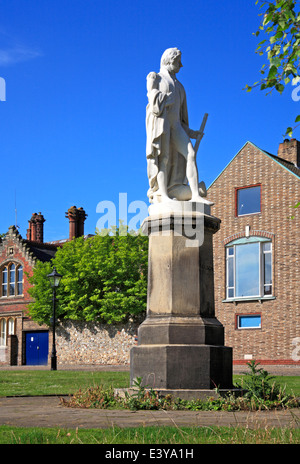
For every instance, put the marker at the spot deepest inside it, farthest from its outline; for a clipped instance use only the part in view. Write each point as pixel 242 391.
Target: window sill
pixel 249 298
pixel 248 328
pixel 247 214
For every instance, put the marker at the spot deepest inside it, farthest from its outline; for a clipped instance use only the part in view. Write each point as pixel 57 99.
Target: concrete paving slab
pixel 48 412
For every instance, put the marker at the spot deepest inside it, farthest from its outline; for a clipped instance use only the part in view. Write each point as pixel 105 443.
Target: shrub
pixel 258 391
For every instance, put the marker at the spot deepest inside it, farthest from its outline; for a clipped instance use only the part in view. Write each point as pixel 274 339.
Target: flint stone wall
pixel 79 342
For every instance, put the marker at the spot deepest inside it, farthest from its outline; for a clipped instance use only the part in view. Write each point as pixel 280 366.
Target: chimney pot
pixel 33 227
pixel 35 231
pixel 39 220
pixel 76 218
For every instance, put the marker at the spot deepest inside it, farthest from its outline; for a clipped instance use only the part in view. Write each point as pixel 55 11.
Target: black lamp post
pixel 54 279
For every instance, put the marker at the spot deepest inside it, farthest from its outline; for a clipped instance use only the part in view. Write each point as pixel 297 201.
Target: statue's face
pixel 175 66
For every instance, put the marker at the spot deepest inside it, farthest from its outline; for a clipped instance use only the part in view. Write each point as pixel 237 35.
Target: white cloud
pixel 17 54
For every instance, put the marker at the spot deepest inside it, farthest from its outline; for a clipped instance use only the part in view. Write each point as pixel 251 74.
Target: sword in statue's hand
pixel 201 133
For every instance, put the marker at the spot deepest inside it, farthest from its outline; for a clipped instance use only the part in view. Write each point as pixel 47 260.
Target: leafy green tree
pixel 280 27
pixel 104 279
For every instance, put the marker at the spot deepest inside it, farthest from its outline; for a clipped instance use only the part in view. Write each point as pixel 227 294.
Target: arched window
pixel 20 280
pixel 3 332
pixel 249 268
pixel 11 280
pixel 11 326
pixel 4 282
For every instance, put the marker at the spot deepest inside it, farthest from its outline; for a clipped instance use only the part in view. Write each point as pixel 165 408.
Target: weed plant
pixel 257 391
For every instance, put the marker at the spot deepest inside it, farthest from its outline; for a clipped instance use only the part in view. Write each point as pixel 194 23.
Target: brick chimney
pixel 31 231
pixel 289 150
pixel 35 231
pixel 76 218
pixel 81 218
pixel 39 221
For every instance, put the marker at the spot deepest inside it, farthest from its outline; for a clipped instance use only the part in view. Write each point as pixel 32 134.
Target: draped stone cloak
pixel 159 85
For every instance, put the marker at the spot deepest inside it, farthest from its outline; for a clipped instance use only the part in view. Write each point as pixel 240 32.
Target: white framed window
pixel 248 200
pixel 3 332
pixel 19 280
pixel 4 282
pixel 11 280
pixel 248 321
pixel 11 326
pixel 249 268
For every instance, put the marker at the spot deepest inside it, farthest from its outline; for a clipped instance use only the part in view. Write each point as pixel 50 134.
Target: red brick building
pixel 21 340
pixel 256 253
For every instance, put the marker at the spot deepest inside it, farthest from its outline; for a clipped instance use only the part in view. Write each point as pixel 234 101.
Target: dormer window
pixel 12 280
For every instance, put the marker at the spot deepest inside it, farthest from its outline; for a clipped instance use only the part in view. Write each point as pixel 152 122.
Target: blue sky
pixel 72 128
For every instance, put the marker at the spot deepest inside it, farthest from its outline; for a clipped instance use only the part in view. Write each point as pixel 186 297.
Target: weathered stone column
pixel 181 343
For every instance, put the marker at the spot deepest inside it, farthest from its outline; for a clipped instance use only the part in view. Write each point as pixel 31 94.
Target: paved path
pixel 48 412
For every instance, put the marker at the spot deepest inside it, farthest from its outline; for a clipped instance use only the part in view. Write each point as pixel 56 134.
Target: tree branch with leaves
pixel 280 27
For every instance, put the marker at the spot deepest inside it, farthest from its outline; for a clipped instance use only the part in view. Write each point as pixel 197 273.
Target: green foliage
pixel 258 384
pixel 260 389
pixel 41 309
pixel 94 397
pixel 257 392
pixel 104 279
pixel 280 27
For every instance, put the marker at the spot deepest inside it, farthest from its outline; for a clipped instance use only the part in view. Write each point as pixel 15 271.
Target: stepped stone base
pixel 184 394
pixel 182 366
pixel 181 342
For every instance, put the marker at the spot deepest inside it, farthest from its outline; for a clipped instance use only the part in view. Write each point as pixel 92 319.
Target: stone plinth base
pixel 182 366
pixel 184 394
pixel 181 342
pixel 161 330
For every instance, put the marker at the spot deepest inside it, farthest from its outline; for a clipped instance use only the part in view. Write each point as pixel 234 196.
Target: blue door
pixel 37 344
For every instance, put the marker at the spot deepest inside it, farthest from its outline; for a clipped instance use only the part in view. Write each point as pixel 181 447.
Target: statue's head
pixel 171 59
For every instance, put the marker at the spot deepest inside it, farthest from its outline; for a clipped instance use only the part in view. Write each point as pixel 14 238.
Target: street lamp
pixel 54 279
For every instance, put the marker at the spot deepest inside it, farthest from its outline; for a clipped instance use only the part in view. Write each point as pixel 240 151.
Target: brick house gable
pixel 29 251
pixel 280 161
pixel 280 190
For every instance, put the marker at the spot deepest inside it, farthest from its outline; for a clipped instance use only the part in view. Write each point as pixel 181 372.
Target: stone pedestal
pixel 181 343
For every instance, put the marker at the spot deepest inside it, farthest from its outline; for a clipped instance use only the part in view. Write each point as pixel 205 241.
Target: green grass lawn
pixel 290 382
pixel 60 383
pixel 149 435
pixel 35 382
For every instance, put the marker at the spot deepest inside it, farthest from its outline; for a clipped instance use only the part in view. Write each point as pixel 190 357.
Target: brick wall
pixel 280 317
pixel 15 306
pixel 11 252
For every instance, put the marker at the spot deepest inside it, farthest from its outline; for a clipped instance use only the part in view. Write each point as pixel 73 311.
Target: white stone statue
pixel 171 157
